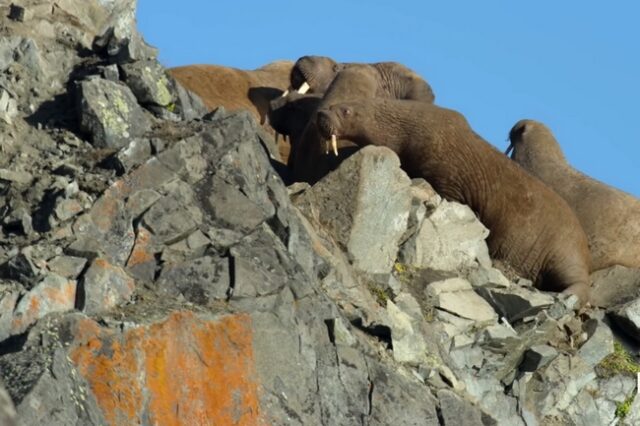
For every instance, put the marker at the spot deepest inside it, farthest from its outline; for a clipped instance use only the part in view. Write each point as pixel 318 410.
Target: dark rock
pixel 136 153
pixel 456 411
pixel 200 281
pixel 21 268
pixel 515 303
pixel 627 317
pixel 67 266
pixel 188 103
pixel 17 13
pixel 108 111
pixel 537 357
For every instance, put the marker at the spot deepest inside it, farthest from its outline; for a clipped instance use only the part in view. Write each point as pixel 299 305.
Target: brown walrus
pixel 309 162
pixel 316 73
pixel 531 227
pixel 610 217
pixel 289 115
pixel 236 89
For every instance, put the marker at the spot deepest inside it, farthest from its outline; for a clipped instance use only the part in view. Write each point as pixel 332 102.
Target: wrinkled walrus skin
pixel 610 217
pixel 531 227
pixel 382 80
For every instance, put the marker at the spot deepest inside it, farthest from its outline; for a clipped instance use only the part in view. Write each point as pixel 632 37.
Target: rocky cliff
pixel 155 270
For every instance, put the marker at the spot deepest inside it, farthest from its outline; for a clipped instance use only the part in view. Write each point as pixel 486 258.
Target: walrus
pixel 531 227
pixel 610 217
pixel 309 162
pixel 236 89
pixel 289 115
pixel 314 74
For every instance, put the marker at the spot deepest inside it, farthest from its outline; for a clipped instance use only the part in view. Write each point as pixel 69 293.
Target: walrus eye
pixel 346 111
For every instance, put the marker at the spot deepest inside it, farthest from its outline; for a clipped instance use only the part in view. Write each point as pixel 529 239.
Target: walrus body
pixel 396 79
pixel 610 217
pixel 531 227
pixel 383 80
pixel 236 89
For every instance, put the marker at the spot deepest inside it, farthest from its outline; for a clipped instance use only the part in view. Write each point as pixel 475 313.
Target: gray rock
pixel 105 231
pixel 456 411
pixel 614 286
pixel 609 393
pixel 17 176
pixel 135 153
pixel 448 285
pixel 53 294
pixel 23 51
pixel 9 295
pixel 364 205
pixel 600 343
pixel 231 208
pixel 408 343
pixel 627 317
pixel 515 302
pixel 466 304
pixel 175 216
pixel 189 104
pixel 488 277
pixel 105 286
pixel 148 82
pixel 418 406
pixel 450 239
pixel 496 334
pixel 537 357
pixel 67 266
pixel 200 281
pixel 128 48
pixel 109 113
pixel 111 72
pixel 7 410
pixel 67 208
pixel 8 107
pixel 550 391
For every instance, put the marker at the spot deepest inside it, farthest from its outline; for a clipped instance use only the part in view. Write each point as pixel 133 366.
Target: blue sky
pixel 573 65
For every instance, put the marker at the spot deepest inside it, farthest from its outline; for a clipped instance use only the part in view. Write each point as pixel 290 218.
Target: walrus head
pixel 312 74
pixel 288 115
pixel 532 142
pixel 337 122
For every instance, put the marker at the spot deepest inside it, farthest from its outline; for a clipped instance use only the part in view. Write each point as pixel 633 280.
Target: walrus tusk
pixel 334 144
pixel 285 93
pixel 304 88
pixel 509 149
pixel 326 147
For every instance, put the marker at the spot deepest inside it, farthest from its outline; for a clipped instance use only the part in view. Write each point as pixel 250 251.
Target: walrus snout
pixel 324 120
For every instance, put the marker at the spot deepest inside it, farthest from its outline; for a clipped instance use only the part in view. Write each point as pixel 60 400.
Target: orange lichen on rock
pixel 182 371
pixel 141 253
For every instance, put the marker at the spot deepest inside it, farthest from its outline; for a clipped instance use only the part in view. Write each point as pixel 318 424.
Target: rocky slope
pixel 154 269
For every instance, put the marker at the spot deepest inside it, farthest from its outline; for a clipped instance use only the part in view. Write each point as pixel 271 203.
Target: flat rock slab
pixel 364 205
pixel 450 239
pixel 515 303
pixel 466 304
